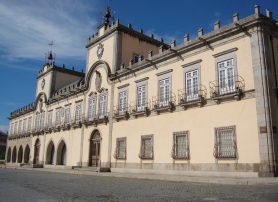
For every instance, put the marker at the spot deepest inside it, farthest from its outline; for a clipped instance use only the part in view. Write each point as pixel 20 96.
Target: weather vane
pixel 50 58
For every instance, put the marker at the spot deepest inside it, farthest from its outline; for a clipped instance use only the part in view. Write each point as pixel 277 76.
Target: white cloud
pixel 4 128
pixel 28 26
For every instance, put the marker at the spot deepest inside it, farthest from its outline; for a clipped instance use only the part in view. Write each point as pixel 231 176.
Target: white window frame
pixel 24 126
pixel 67 115
pixel 58 117
pixel 163 100
pixel 92 107
pixel 29 124
pixel 141 95
pixel 102 110
pixel 19 126
pixel 118 151
pixel 15 127
pixel 78 112
pixel 49 119
pixel 42 116
pixel 122 100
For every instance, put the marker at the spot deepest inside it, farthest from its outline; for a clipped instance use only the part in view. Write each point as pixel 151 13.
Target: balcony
pixel 96 119
pixel 142 109
pixel 121 112
pixel 66 125
pixel 165 104
pixel 77 122
pixel 230 87
pixel 188 97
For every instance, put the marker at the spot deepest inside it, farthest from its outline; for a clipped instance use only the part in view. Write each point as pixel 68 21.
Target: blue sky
pixel 26 28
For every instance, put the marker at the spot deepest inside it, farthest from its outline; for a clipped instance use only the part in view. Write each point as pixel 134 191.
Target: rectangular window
pixel 37 121
pixel 58 117
pixel 225 143
pixel 49 119
pixel 102 105
pixel 121 148
pixel 24 126
pixel 164 92
pixel 141 102
pixel 67 115
pixel 192 85
pixel 12 129
pixel 78 111
pixel 226 76
pixel 92 107
pixel 147 147
pixel 181 145
pixel 19 127
pixel 15 128
pixel 29 124
pixel 122 102
pixel 42 120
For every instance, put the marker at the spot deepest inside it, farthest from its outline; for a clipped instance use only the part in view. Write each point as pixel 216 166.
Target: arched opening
pixel 27 154
pixel 50 153
pixel 20 155
pixel 94 153
pixel 62 154
pixel 14 155
pixel 9 155
pixel 37 152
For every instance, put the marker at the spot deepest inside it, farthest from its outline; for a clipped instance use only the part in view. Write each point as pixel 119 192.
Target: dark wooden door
pixel 95 152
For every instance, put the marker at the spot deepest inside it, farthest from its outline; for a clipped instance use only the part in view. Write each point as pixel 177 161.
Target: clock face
pixel 100 50
pixel 43 84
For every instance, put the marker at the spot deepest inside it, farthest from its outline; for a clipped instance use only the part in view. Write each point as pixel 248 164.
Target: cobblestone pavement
pixel 23 185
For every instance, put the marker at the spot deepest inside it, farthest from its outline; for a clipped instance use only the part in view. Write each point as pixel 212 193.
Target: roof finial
pixel 107 16
pixel 50 58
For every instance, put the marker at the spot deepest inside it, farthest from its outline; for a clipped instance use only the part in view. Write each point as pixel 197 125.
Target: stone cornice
pixel 61 69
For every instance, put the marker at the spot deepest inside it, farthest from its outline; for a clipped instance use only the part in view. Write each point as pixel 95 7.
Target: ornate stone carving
pixel 98 81
pixel 100 51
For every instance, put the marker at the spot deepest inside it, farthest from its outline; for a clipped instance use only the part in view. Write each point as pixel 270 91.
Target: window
pixel 67 115
pixel 92 107
pixel 146 147
pixel 225 143
pixel 42 120
pixel 24 126
pixel 164 92
pixel 15 128
pixel 121 148
pixel 78 111
pixel 29 124
pixel 58 117
pixel 37 121
pixel 226 76
pixel 181 145
pixel 102 104
pixel 141 97
pixel 122 102
pixel 12 129
pixel 49 119
pixel 19 127
pixel 192 85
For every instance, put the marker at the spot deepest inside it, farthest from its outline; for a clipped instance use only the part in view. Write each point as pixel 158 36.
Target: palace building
pixel 206 106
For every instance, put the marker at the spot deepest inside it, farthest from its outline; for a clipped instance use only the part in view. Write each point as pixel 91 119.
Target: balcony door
pixel 141 97
pixel 226 74
pixel 164 92
pixel 191 85
pixel 122 102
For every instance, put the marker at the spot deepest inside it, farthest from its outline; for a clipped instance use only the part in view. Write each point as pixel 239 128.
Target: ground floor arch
pixel 50 153
pixel 20 155
pixel 61 153
pixel 94 151
pixel 9 153
pixel 37 152
pixel 14 155
pixel 27 154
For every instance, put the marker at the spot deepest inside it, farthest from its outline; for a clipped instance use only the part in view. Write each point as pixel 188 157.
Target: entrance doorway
pixel 37 152
pixel 94 155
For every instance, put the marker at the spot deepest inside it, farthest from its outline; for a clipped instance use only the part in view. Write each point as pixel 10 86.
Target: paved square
pixel 22 185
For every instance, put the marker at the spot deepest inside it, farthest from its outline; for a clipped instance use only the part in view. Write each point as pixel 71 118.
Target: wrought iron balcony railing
pixel 141 108
pixel 97 119
pixel 188 97
pixel 121 112
pixel 227 87
pixel 166 103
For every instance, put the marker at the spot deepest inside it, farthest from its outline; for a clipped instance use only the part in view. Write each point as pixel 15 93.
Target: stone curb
pixel 164 177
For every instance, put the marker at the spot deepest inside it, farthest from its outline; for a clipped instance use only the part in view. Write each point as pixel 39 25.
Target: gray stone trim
pixel 123 86
pixel 140 80
pixel 225 52
pixel 164 72
pixel 192 63
pixel 77 101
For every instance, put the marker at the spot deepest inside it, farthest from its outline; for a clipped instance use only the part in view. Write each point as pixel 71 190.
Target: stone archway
pixel 20 155
pixel 62 154
pixel 37 152
pixel 94 153
pixel 27 154
pixel 50 153
pixel 9 153
pixel 14 155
